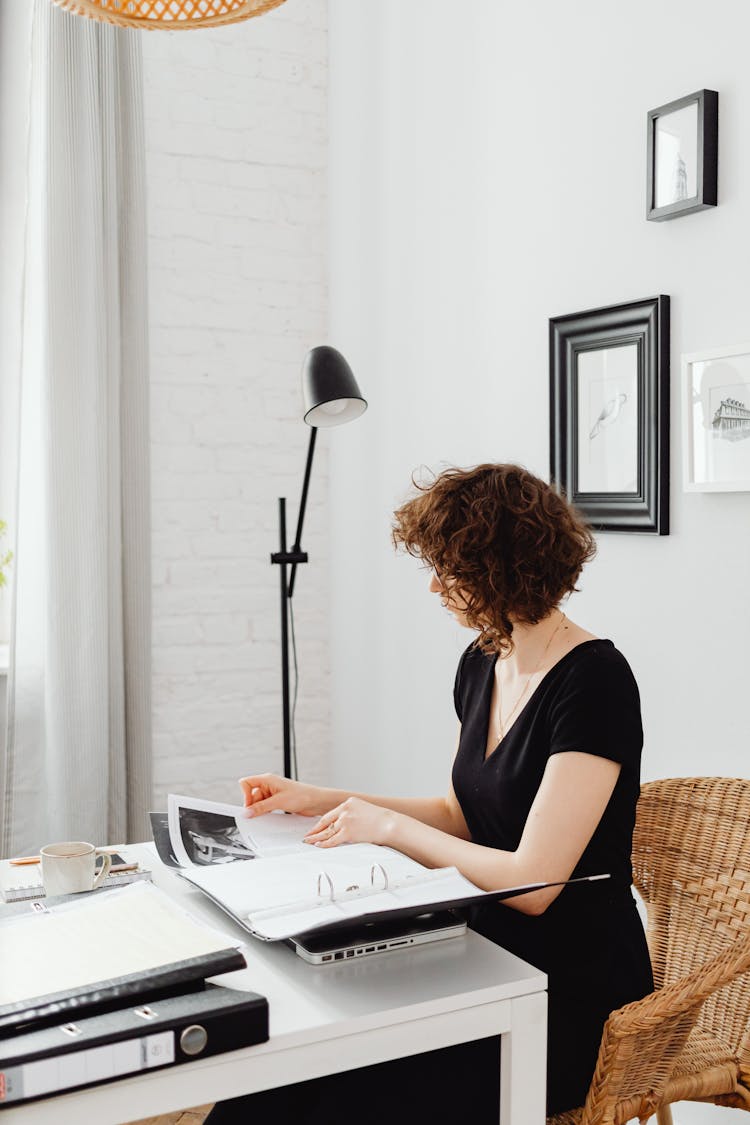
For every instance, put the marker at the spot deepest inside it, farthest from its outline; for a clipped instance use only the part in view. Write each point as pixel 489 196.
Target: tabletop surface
pixel 306 1000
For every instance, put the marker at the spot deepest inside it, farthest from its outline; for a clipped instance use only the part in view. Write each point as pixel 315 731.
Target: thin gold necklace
pixel 502 727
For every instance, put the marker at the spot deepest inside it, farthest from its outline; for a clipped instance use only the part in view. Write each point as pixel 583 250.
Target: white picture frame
pixel 716 419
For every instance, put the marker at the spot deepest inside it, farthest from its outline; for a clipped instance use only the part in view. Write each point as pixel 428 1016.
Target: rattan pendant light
pixel 169 15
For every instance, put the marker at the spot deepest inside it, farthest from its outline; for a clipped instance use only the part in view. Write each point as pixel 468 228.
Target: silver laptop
pixel 362 939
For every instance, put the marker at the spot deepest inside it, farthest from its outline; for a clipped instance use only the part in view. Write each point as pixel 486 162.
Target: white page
pixel 274 833
pixel 278 833
pixel 278 882
pixel 123 931
pixel 277 929
pixel 443 885
pixel 273 882
pixel 362 857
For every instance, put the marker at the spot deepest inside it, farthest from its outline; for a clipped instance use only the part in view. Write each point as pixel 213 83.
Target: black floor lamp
pixel 331 397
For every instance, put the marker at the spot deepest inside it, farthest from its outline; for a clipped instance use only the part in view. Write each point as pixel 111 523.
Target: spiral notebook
pixel 20 887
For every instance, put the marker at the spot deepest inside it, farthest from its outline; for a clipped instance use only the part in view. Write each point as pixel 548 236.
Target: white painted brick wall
pixel 236 138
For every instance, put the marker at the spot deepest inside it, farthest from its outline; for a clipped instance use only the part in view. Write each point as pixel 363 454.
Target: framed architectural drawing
pixel 609 414
pixel 716 420
pixel 682 156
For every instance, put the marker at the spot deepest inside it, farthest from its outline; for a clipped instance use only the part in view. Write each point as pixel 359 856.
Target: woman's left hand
pixel 353 822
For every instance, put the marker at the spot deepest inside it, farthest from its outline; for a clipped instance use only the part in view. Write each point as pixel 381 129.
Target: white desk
pixel 329 1018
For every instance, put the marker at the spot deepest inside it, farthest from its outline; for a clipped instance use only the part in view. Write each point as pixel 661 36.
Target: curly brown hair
pixel 511 544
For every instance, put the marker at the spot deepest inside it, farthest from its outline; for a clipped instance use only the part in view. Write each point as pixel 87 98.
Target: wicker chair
pixel 690 1038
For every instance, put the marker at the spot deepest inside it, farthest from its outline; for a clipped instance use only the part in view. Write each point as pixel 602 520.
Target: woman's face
pixel 450 597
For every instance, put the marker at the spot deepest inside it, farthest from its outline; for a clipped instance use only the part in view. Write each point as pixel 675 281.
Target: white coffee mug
pixel 71 867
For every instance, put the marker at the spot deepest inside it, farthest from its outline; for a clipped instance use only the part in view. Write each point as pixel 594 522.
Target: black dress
pixel 590 941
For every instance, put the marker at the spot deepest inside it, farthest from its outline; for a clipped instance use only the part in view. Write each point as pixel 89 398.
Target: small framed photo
pixel 716 420
pixel 609 414
pixel 683 156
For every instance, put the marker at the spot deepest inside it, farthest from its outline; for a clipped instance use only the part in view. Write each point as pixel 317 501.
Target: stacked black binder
pixel 98 1033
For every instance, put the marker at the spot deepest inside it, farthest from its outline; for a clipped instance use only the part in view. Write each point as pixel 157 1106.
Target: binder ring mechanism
pixel 324 875
pixel 355 886
pixel 379 867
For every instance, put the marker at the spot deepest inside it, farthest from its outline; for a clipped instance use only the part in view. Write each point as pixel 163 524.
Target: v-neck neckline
pixel 527 704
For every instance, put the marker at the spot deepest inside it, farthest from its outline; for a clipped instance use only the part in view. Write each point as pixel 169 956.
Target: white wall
pixel 236 134
pixel 487 171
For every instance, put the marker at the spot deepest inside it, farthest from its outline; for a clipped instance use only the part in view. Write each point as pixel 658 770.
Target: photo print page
pixel 209 834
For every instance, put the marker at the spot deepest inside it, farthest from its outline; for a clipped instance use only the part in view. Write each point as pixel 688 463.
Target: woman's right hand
pixel 266 791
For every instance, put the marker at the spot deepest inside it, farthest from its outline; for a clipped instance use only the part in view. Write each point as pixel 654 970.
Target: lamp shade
pixel 329 389
pixel 171 15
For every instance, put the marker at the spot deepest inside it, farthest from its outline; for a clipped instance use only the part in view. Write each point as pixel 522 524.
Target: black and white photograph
pixel 716 420
pixel 607 381
pixel 676 156
pixel 609 412
pixel 205 833
pixel 211 838
pixel 682 158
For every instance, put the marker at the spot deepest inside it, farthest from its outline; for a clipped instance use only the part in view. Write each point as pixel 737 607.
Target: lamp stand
pixel 283 559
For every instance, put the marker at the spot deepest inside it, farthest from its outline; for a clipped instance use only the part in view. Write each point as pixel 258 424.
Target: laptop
pixel 363 939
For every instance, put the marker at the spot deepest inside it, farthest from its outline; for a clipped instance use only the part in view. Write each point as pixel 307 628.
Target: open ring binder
pixel 353 887
pixel 278 897
pixel 326 894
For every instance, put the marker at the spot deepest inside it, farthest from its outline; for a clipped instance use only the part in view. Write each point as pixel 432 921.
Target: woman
pixel 546 774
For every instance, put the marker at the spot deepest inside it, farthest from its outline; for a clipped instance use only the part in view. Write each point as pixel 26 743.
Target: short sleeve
pixel 598 709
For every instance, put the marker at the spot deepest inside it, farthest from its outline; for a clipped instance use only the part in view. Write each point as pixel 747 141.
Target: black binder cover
pixel 230 1019
pixel 457 904
pixel 106 996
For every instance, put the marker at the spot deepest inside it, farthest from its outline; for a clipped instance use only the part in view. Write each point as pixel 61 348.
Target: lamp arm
pixel 302 505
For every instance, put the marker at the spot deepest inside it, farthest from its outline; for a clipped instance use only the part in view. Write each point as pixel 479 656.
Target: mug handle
pixel 104 869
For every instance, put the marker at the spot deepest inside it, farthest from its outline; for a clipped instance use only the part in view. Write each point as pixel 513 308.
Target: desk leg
pixel 523 1063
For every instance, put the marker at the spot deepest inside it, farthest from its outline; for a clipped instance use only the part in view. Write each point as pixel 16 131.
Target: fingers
pixel 248 789
pixel 327 832
pixel 322 829
pixel 255 789
pixel 253 796
pixel 258 807
pixel 332 828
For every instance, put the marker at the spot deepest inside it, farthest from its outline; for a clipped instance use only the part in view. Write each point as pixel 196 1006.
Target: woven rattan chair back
pixel 691 865
pixel 688 1038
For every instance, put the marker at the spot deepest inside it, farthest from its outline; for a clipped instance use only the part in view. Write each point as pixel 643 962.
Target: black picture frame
pixel 707 150
pixel 645 324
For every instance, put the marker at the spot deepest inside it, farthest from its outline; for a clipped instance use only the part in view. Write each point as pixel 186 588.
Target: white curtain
pixel 77 757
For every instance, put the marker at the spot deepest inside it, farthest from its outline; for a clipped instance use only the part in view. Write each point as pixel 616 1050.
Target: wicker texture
pixel 689 1039
pixel 171 15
